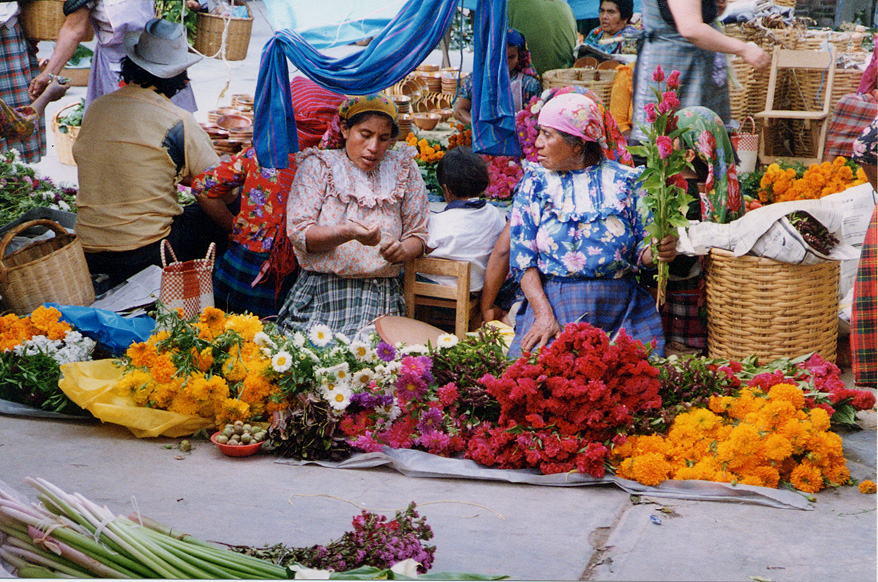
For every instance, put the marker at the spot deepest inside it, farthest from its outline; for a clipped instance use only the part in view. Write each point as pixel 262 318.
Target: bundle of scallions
pixel 66 535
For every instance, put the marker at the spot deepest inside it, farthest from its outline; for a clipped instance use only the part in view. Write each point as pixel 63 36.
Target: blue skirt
pixel 610 304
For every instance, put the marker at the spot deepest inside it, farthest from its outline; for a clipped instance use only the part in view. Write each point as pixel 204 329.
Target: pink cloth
pixel 574 114
pixel 867 82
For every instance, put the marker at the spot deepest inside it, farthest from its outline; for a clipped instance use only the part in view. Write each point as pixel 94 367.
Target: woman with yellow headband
pixel 355 213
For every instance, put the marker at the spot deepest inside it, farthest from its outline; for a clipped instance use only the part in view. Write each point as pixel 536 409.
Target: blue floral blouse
pixel 582 223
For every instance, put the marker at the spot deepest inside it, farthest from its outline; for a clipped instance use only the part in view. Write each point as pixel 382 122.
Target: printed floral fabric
pixel 329 189
pixel 18 122
pixel 597 34
pixel 583 223
pixel 530 87
pixel 865 148
pixel 721 200
pixel 575 114
pixel 263 197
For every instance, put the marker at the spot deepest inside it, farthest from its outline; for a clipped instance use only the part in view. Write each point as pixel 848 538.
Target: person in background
pixel 551 28
pixel 111 20
pixel 133 148
pixel 578 236
pixel 468 227
pixel 355 214
pixel 523 82
pixel 615 16
pixel 681 35
pixel 255 273
pixel 18 65
pixel 864 311
pixel 20 122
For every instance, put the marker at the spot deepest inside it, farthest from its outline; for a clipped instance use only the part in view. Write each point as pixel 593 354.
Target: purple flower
pixel 410 387
pixel 385 352
pixel 267 173
pixel 665 146
pixel 257 196
pixel 369 400
pixel 431 419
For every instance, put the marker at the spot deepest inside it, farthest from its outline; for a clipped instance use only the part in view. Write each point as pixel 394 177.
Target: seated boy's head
pixel 462 173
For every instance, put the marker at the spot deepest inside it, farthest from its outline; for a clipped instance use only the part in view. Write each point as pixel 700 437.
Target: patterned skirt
pixel 17 67
pixel 234 273
pixel 610 304
pixel 345 305
pixel 864 315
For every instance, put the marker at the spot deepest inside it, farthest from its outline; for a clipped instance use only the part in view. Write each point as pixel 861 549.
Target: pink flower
pixel 665 146
pixel 669 102
pixel 674 80
pixel 658 75
pixel 651 113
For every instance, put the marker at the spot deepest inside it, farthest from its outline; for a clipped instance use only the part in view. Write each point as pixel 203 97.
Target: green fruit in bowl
pixel 222 439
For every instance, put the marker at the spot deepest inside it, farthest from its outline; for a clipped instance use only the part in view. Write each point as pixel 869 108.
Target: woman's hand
pixel 755 56
pixel 396 251
pixel 365 235
pixel 667 251
pixel 544 329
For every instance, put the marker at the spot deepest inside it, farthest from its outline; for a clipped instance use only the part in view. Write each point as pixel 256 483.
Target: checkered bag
pixel 747 147
pixel 187 285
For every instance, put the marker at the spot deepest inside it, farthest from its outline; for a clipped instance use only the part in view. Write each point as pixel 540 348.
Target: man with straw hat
pixel 133 149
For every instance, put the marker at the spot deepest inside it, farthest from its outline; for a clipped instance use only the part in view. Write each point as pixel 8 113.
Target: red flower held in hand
pixel 665 146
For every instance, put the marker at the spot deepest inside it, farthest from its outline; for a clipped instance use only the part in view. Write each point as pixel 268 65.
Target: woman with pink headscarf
pixel 578 236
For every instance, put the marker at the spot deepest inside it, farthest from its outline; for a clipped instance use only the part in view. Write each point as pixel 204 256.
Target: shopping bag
pixel 747 147
pixel 187 285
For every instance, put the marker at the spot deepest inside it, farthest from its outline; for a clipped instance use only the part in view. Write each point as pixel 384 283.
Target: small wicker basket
pixel 768 308
pixel 50 270
pixel 209 35
pixel 599 81
pixel 42 19
pixel 64 140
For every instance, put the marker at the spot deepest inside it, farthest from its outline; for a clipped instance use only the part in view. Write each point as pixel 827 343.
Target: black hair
pixel 134 74
pixel 464 172
pixel 626 8
pixel 591 150
pixel 364 116
pixel 701 169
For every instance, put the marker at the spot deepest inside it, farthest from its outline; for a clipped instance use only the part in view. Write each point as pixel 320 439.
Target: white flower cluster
pixel 73 348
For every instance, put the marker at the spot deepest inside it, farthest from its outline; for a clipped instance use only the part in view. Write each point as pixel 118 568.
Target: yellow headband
pixel 377 102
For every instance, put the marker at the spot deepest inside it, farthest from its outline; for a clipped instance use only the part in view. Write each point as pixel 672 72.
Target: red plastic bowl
pixel 236 450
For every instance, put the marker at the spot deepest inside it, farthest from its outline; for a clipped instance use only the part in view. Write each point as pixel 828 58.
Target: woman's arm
pixel 462 108
pixel 70 35
pixel 325 238
pixel 545 325
pixel 495 273
pixel 687 17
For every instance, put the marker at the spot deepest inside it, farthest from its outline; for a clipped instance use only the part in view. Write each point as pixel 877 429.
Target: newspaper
pixel 128 298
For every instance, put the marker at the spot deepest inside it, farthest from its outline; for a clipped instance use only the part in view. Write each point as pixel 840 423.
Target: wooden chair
pixel 586 63
pixel 434 295
pixel 798 69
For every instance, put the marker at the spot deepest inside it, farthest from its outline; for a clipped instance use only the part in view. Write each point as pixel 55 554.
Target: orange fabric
pixel 621 97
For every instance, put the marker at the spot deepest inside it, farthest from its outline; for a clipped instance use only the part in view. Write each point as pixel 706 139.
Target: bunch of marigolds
pixel 756 438
pixel 463 136
pixel 428 153
pixel 781 184
pixel 211 367
pixel 45 321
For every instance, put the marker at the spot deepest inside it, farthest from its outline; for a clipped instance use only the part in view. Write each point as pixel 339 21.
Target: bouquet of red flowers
pixel 561 409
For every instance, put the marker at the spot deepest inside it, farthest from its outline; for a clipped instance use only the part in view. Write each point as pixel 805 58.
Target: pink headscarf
pixel 574 114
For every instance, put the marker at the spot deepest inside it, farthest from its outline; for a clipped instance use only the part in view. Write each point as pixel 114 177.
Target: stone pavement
pixel 526 532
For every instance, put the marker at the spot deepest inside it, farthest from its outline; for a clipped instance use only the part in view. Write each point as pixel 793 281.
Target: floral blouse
pixel 263 197
pixel 16 122
pixel 329 189
pixel 582 223
pixel 530 87
pixel 594 37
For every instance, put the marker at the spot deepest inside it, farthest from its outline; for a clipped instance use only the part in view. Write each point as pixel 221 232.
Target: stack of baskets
pixel 209 35
pixel 775 310
pixel 52 270
pixel 598 80
pixel 42 19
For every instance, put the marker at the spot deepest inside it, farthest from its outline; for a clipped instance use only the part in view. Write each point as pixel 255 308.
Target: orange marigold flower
pixel 163 369
pixel 819 419
pixel 788 393
pixel 867 486
pixel 650 468
pixel 142 354
pixel 213 318
pixel 807 477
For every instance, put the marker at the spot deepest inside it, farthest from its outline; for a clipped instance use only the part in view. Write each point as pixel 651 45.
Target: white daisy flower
pixel 363 377
pixel 341 372
pixel 343 338
pixel 447 340
pixel 361 350
pixel 281 361
pixel 320 335
pixel 298 340
pixel 262 340
pixel 340 398
pixel 390 411
pixel 413 349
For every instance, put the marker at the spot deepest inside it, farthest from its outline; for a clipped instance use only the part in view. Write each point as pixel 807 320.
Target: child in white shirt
pixel 468 227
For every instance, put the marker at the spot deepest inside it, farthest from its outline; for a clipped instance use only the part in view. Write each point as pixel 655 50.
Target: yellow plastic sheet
pixel 91 385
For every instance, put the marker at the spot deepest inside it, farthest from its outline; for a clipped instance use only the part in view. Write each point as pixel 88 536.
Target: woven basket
pixel 42 19
pixel 599 81
pixel 64 141
pixel 209 35
pixel 768 308
pixel 52 270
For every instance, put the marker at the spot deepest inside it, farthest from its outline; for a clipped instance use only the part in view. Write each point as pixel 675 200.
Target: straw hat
pixel 160 48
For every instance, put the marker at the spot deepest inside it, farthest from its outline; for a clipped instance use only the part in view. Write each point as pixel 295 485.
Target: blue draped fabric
pixel 393 53
pixel 492 108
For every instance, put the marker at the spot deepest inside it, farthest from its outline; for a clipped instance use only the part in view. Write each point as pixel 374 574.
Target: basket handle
pixel 166 243
pixel 7 238
pixel 752 122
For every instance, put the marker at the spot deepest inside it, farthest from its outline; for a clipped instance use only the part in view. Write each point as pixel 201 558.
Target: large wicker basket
pixel 768 308
pixel 64 140
pixel 42 19
pixel 50 270
pixel 209 35
pixel 599 81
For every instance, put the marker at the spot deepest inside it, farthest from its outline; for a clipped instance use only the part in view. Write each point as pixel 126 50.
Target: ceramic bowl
pixel 446 113
pixel 426 121
pixel 237 122
pixel 236 450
